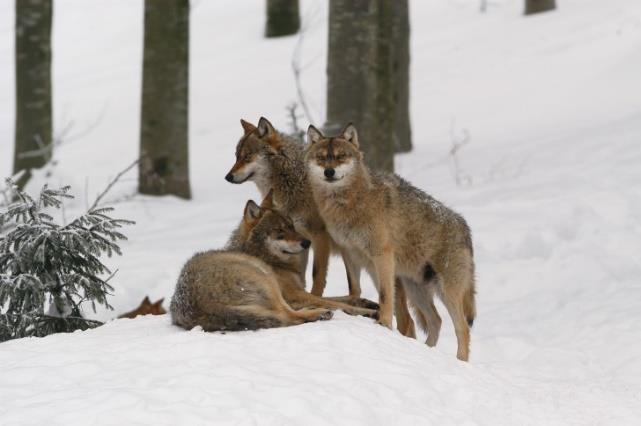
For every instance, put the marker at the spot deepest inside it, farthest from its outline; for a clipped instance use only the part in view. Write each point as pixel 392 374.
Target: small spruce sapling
pixel 46 264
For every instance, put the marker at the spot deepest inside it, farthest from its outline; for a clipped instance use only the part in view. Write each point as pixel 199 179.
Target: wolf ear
pixel 252 211
pixel 313 135
pixel 247 126
pixel 268 201
pixel 265 128
pixel 146 301
pixel 158 303
pixel 349 134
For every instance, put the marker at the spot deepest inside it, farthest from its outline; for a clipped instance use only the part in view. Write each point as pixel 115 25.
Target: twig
pixel 63 137
pixel 86 192
pixel 457 144
pixel 297 69
pixel 8 190
pixel 296 131
pixel 112 183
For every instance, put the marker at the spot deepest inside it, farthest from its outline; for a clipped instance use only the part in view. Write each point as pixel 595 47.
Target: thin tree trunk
pixel 283 18
pixel 33 134
pixel 164 166
pixel 402 76
pixel 384 139
pixel 360 76
pixel 537 6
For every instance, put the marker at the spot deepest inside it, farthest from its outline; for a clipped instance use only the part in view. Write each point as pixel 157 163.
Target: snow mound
pixel 344 371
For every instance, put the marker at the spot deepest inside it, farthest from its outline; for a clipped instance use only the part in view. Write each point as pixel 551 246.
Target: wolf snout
pixel 329 173
pixel 305 244
pixel 229 177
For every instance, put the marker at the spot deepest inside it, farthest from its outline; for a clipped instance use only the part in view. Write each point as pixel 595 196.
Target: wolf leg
pixel 353 272
pixel 454 306
pixel 422 297
pixel 404 321
pixel 321 246
pixel 302 299
pixel 384 269
pixel 359 302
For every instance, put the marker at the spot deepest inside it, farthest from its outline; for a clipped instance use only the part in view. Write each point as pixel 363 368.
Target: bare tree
pixel 164 165
pixel 402 75
pixel 283 18
pixel 536 6
pixel 361 83
pixel 33 134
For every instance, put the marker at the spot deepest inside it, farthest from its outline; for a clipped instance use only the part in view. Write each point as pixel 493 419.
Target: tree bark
pixel 362 83
pixel 33 134
pixel 537 6
pixel 283 18
pixel 164 132
pixel 402 76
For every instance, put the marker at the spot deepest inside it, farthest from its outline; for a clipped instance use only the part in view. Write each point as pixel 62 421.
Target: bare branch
pixel 7 191
pixel 295 129
pixel 63 137
pixel 113 182
pixel 458 142
pixel 298 67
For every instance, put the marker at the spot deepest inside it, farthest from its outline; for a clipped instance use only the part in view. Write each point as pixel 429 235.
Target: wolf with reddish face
pixel 274 161
pixel 146 308
pixel 399 234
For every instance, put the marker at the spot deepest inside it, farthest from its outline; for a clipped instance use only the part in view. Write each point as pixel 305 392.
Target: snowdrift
pixel 343 371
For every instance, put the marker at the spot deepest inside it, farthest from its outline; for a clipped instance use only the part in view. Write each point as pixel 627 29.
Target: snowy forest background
pixel 524 116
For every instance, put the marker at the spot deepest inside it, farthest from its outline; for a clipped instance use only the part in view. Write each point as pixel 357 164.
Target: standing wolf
pixel 276 162
pixel 251 284
pixel 395 231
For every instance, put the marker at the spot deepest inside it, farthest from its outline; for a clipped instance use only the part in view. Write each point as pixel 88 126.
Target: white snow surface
pixel 550 184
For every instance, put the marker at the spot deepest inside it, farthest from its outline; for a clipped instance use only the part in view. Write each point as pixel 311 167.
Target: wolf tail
pixel 469 306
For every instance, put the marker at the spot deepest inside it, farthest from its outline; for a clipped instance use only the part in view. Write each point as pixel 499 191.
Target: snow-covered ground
pixel 551 186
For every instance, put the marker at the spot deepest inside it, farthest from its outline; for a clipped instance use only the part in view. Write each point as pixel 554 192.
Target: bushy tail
pixel 469 306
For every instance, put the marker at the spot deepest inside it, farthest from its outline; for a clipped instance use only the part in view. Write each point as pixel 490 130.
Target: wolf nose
pixel 229 177
pixel 329 173
pixel 305 244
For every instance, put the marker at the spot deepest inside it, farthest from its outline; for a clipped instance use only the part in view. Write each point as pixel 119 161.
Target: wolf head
pixel 256 144
pixel 268 231
pixel 146 308
pixel 333 160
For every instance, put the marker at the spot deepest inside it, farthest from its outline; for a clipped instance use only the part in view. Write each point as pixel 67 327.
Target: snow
pixel 552 194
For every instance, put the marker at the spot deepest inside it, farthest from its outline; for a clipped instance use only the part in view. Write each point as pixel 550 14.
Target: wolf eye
pixel 340 157
pixel 280 235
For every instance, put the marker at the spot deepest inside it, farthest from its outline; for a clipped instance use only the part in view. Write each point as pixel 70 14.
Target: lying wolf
pixel 255 282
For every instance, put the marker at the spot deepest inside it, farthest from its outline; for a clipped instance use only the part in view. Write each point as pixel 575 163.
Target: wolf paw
pixel 385 322
pixel 365 303
pixel 327 315
pixel 374 315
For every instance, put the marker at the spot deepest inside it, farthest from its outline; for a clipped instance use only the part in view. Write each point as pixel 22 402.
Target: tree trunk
pixel 536 6
pixel 33 135
pixel 361 83
pixel 283 18
pixel 164 141
pixel 402 76
pixel 383 121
